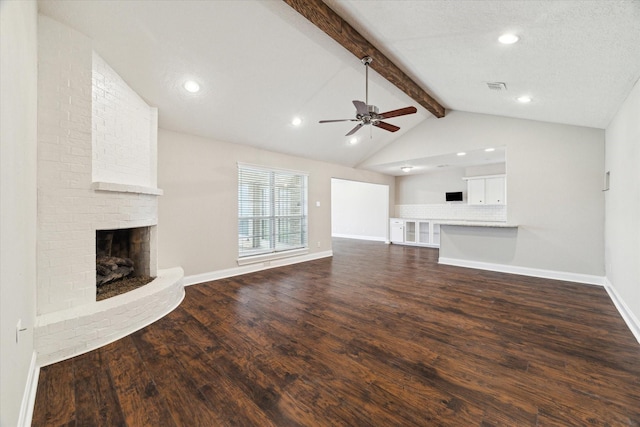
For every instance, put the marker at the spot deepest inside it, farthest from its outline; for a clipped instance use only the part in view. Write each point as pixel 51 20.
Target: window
pixel 272 210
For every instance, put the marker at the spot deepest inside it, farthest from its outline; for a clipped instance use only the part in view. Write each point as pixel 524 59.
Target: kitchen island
pixel 427 232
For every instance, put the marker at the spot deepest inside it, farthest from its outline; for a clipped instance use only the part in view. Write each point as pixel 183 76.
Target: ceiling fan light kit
pixel 368 114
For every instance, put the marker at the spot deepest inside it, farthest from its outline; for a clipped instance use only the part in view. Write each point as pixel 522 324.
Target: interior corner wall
pixel 622 202
pixel 554 188
pixel 18 133
pixel 197 217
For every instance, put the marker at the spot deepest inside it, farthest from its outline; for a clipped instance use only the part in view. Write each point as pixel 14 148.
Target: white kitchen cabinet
pixel 495 191
pixel 410 230
pixel 435 235
pixel 397 230
pixel 487 190
pixel 413 232
pixel 475 192
pixel 423 233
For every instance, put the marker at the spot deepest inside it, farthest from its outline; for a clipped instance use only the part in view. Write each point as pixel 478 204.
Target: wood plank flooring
pixel 376 336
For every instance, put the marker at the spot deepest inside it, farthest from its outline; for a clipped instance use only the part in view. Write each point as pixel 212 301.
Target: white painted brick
pixel 91 124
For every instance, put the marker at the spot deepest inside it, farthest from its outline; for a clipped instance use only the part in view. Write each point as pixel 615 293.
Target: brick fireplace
pixel 97 156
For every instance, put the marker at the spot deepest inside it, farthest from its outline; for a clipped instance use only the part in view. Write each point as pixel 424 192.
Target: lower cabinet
pixel 435 236
pixel 396 230
pixel 414 232
pixel 410 231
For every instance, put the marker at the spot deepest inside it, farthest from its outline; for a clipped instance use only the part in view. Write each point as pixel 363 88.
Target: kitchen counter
pixel 465 223
pixel 426 232
pixel 500 224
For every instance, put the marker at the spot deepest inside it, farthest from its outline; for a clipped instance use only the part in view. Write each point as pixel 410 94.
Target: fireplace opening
pixel 122 260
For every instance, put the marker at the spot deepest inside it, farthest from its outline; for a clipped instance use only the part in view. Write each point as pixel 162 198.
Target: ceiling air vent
pixel 498 86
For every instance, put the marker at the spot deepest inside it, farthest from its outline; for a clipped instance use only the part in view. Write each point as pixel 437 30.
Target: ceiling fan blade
pixel 339 120
pixel 398 112
pixel 387 126
pixel 355 129
pixel 361 108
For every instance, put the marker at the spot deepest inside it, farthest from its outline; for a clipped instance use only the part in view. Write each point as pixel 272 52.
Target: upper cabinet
pixel 487 190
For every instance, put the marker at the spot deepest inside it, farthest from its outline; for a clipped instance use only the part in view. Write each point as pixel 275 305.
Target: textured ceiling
pixel 577 59
pixel 259 63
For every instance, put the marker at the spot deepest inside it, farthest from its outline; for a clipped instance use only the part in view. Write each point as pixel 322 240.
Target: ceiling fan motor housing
pixel 368 114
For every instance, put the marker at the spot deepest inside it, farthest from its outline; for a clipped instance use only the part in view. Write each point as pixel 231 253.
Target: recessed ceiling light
pixel 508 38
pixel 191 86
pixel 406 169
pixel 353 141
pixel 524 99
pixel 297 121
pixel 488 150
pixel 462 153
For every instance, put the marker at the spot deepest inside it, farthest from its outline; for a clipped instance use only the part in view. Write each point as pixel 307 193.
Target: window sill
pixel 272 256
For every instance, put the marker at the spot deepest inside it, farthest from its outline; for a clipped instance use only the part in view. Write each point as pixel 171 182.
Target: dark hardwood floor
pixel 377 336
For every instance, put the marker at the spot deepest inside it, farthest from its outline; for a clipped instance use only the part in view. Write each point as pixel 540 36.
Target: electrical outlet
pixel 318 243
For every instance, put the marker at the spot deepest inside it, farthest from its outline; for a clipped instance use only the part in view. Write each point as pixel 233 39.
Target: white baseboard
pixel 29 395
pixel 630 319
pixel 526 271
pixel 358 237
pixel 237 271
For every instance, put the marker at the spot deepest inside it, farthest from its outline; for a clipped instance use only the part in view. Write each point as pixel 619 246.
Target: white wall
pixel 554 190
pixel 359 210
pixel 18 132
pixel 622 215
pixel 430 187
pixel 197 224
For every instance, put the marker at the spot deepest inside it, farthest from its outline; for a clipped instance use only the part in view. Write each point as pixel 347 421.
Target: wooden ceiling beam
pixel 323 17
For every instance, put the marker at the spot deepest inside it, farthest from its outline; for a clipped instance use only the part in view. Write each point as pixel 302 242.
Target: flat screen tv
pixel 454 197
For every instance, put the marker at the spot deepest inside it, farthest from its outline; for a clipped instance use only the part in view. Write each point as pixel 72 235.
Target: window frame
pixel 274 218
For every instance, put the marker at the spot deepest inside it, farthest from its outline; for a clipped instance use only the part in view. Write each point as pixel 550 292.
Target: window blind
pixel 272 210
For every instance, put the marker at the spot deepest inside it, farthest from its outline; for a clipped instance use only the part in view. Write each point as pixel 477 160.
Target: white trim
pixel 357 237
pixel 271 256
pixel 526 271
pixel 237 271
pixel 630 319
pixel 499 175
pixel 270 169
pixel 419 245
pixel 29 395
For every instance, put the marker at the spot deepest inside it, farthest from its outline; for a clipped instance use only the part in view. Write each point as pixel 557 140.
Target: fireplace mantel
pixel 125 188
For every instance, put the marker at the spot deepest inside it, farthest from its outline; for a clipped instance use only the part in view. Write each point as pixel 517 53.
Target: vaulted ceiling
pixel 261 63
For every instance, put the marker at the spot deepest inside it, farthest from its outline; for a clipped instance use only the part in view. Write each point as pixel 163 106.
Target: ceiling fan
pixel 368 114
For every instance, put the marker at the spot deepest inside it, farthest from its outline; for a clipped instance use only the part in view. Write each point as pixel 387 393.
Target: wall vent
pixel 498 86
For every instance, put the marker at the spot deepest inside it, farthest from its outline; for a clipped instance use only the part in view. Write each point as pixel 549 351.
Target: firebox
pixel 122 254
